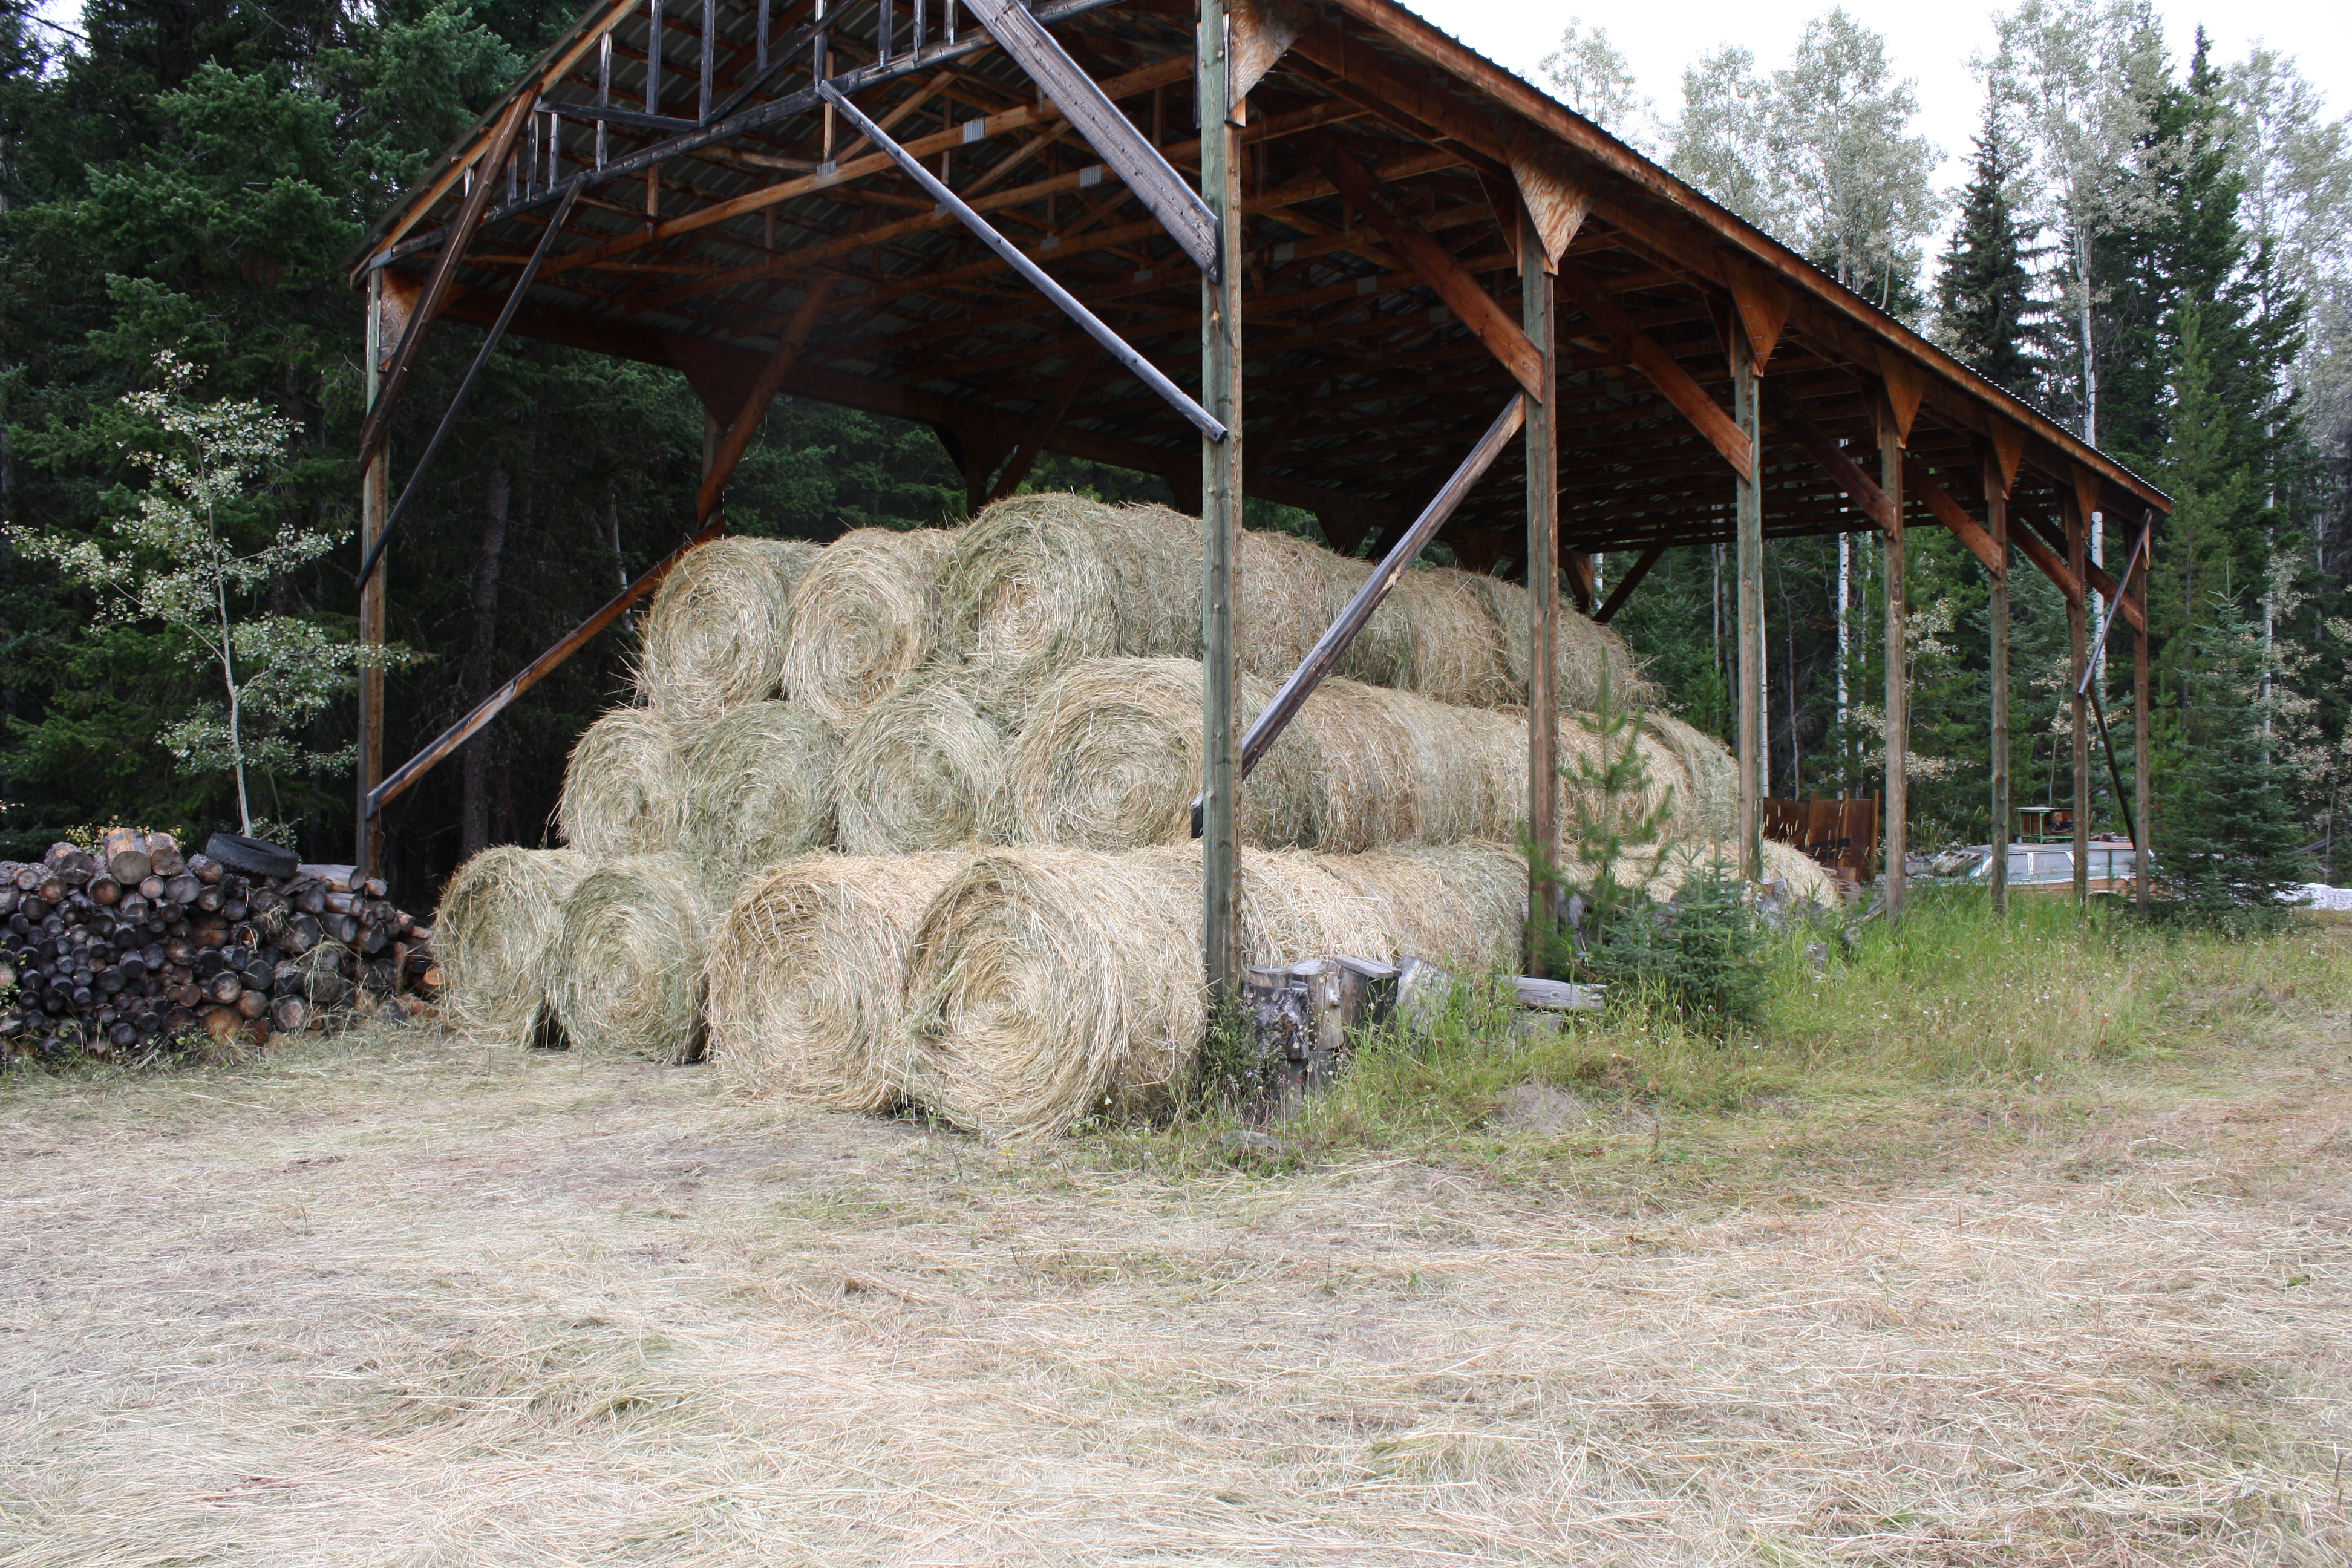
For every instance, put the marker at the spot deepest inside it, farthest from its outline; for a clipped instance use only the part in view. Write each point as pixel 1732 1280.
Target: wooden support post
pixel 376 503
pixel 1997 613
pixel 1221 510
pixel 1898 671
pixel 1543 557
pixel 2078 642
pixel 2142 719
pixel 1749 502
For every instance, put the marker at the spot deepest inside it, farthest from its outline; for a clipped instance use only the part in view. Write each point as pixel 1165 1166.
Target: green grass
pixel 1875 1021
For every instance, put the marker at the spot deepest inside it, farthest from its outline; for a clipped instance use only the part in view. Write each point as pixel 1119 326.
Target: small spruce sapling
pixel 1616 838
pixel 193 552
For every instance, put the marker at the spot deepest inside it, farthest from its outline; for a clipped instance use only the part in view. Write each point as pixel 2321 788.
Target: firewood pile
pixel 135 951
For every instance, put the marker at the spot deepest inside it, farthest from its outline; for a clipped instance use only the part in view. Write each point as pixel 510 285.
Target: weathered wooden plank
pixel 1223 768
pixel 1892 875
pixel 1629 582
pixel 1992 463
pixel 437 284
pixel 1126 151
pixel 1434 266
pixel 1142 369
pixel 1542 463
pixel 1748 502
pixel 1662 370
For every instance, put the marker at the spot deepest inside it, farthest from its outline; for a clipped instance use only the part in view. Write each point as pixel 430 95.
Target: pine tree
pixel 2226 847
pixel 1983 289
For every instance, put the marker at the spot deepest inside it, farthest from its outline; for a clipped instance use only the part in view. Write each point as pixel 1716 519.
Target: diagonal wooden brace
pixel 1662 369
pixel 1126 151
pixel 1430 261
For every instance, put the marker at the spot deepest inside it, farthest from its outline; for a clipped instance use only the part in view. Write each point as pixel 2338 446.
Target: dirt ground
pixel 396 1300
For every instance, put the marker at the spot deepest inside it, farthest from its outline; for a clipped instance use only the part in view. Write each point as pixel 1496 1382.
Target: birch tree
pixel 1591 76
pixel 1818 152
pixel 193 553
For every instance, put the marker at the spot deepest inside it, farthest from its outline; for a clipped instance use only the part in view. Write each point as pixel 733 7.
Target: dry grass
pixel 865 617
pixel 623 786
pixel 925 769
pixel 399 1301
pixel 622 971
pixel 715 635
pixel 807 977
pixel 758 787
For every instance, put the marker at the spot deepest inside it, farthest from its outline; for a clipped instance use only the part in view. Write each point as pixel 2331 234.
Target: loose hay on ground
pixel 623 786
pixel 925 769
pixel 491 932
pixel 760 788
pixel 623 972
pixel 1048 985
pixel 715 635
pixel 807 977
pixel 864 619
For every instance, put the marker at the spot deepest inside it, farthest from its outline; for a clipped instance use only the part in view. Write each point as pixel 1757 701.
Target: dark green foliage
pixel 1703 956
pixel 1982 289
pixel 2227 852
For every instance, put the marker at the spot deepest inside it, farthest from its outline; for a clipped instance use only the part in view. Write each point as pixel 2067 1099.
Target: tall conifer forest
pixel 2167 270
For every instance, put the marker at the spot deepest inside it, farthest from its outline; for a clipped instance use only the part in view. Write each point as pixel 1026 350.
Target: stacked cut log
pixel 135 950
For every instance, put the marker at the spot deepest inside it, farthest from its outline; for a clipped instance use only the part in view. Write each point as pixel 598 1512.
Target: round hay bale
pixel 1432 635
pixel 715 634
pixel 623 786
pixel 622 971
pixel 490 933
pixel 1110 759
pixel 864 619
pixel 1037 582
pixel 1710 775
pixel 1585 649
pixel 1047 985
pixel 807 977
pixel 758 787
pixel 925 769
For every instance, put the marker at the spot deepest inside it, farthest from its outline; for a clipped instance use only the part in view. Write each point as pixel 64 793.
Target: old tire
pixel 251 856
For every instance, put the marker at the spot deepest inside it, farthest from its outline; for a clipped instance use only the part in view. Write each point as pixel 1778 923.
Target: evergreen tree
pixel 1983 290
pixel 2226 847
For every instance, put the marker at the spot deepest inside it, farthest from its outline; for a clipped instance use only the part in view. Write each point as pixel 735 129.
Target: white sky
pixel 1931 41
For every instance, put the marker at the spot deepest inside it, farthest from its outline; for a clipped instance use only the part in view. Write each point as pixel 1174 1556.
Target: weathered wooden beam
pixel 1663 370
pixel 437 284
pixel 1990 465
pixel 1629 582
pixel 1223 764
pixel 381 536
pixel 1433 264
pixel 1542 467
pixel 1892 875
pixel 1751 733
pixel 1126 151
pixel 375 493
pixel 530 675
pixel 1950 513
pixel 2078 653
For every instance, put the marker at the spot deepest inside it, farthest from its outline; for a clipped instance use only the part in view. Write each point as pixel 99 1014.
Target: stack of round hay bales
pixel 1110 759
pixel 908 817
